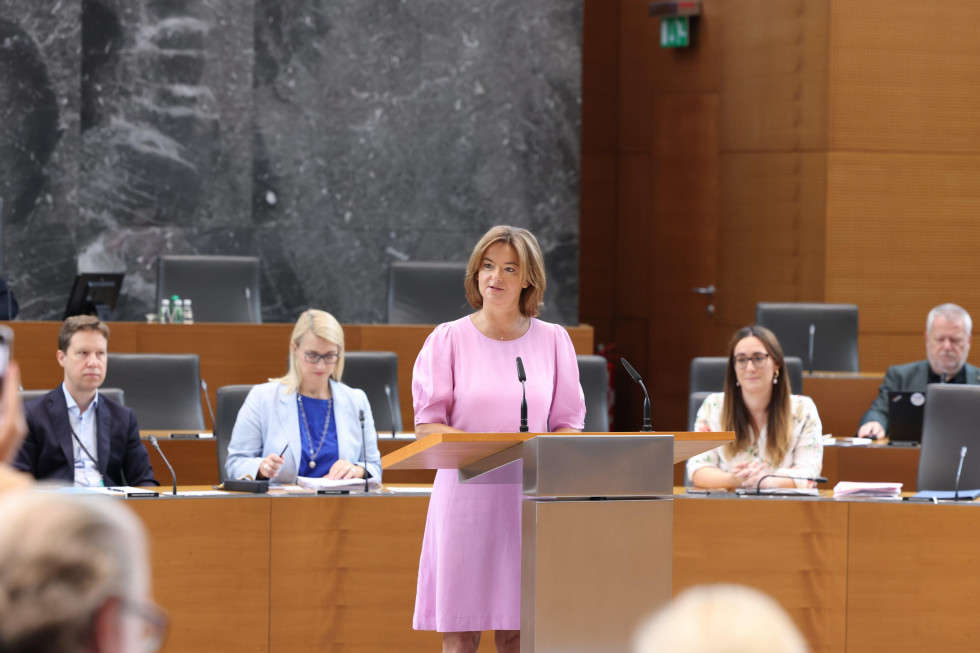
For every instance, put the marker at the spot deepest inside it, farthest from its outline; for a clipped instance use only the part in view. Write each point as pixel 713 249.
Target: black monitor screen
pixel 94 293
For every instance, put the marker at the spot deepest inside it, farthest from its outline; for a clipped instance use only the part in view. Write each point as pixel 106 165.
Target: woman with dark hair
pixel 775 432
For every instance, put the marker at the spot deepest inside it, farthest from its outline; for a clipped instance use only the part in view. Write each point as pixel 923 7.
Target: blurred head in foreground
pixel 74 577
pixel 720 619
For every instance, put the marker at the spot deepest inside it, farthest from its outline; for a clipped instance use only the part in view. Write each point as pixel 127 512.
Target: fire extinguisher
pixel 611 359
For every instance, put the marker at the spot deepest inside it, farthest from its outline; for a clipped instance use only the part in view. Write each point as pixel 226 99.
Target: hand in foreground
pixel 872 430
pixel 343 469
pixel 270 466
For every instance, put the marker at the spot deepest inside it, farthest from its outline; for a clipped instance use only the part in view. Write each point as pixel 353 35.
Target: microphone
pixel 813 333
pixel 204 387
pixel 942 378
pixel 646 395
pixel 522 378
pixel 959 470
pixel 815 479
pixel 248 304
pixel 364 449
pixel 391 408
pixel 173 475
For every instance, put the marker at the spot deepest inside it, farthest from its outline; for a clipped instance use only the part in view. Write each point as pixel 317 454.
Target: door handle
pixel 709 292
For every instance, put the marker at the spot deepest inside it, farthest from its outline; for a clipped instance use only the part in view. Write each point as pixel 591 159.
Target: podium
pixel 596 523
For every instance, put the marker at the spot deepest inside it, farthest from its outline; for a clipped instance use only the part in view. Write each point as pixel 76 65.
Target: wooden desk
pixel 234 353
pixel 195 460
pixel 272 573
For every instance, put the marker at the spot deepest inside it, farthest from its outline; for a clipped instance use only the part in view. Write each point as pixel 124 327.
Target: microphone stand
pixel 815 479
pixel 173 475
pixel 364 450
pixel 813 333
pixel 391 410
pixel 646 396
pixel 522 378
pixel 959 470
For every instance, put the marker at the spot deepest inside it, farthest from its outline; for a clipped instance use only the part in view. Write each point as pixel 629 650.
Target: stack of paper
pixel 338 485
pixel 850 489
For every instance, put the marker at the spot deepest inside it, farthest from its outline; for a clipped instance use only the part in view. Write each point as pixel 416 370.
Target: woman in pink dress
pixel 465 380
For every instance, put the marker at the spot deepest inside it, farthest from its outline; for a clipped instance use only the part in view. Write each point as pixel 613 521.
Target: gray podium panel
pixel 591 571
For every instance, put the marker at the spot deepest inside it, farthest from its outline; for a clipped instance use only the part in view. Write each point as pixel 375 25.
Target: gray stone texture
pixel 327 137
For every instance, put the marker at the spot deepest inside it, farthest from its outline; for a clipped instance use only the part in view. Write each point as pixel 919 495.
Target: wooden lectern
pixel 596 530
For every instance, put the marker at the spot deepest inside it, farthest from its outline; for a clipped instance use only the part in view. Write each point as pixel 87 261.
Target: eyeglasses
pixel 313 358
pixel 757 359
pixel 155 624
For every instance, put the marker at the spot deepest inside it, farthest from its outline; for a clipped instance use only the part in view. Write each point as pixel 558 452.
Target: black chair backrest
pixel 426 292
pixel 222 288
pixel 693 405
pixel 593 375
pixel 371 371
pixel 952 413
pixel 835 335
pixel 163 389
pixel 230 400
pixel 116 394
pixel 708 374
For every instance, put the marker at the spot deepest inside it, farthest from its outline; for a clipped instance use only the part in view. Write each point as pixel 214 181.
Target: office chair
pixel 426 292
pixel 708 374
pixel 222 288
pixel 371 371
pixel 116 394
pixel 163 389
pixel 230 400
pixel 835 332
pixel 950 422
pixel 694 405
pixel 593 374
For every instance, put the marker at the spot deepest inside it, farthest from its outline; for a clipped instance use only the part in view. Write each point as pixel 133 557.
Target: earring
pixel 775 379
pixel 737 384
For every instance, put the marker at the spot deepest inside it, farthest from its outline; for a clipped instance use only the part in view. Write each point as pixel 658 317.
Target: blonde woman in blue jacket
pixel 306 423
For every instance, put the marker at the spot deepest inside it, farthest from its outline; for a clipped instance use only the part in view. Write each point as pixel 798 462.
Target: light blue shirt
pixel 87 472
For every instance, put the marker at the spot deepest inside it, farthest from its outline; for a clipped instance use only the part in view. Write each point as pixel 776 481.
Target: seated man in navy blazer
pixel 948 331
pixel 74 435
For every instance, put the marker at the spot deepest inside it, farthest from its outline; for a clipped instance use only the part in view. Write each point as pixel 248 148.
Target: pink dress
pixel 470 568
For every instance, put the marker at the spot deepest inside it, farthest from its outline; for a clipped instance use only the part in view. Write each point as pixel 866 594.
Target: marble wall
pixel 328 137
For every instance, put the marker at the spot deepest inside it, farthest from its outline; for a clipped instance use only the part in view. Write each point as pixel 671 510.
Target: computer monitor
pixel 94 293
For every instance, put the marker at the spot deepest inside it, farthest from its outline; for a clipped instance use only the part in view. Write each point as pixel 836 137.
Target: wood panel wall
pixel 799 150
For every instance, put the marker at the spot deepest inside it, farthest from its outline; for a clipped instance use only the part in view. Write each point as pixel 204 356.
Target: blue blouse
pixel 317 412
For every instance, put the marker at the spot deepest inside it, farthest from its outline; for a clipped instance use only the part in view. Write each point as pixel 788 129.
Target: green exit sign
pixel 675 32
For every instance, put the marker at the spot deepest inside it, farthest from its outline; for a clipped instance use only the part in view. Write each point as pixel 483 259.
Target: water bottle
pixel 188 312
pixel 176 310
pixel 164 311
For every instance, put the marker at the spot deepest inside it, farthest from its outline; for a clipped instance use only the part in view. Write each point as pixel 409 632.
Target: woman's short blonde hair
pixel 322 325
pixel 720 619
pixel 61 558
pixel 529 257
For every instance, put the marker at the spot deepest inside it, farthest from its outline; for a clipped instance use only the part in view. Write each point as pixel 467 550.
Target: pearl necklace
pixel 309 431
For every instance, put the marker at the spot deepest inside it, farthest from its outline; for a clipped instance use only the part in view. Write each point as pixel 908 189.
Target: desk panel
pixel 247 573
pixel 344 571
pixel 195 461
pixel 796 551
pixel 210 562
pixel 913 577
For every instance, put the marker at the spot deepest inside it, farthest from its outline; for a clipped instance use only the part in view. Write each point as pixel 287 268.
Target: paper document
pixel 352 484
pixel 128 491
pixel 878 490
